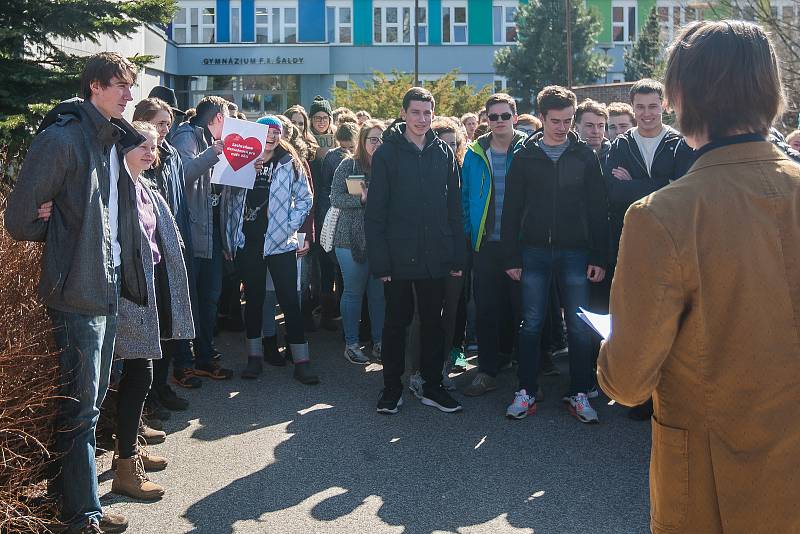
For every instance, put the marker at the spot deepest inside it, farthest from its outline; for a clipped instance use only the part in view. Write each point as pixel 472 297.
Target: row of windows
pixel 393 22
pixel 499 84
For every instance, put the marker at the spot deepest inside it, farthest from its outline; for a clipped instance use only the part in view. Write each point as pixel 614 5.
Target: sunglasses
pixel 374 140
pixel 494 117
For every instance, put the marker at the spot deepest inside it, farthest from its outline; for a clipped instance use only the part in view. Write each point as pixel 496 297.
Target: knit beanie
pixel 272 122
pixel 320 104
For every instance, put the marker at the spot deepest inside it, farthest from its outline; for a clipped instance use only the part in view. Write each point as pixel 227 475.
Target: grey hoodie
pixel 68 163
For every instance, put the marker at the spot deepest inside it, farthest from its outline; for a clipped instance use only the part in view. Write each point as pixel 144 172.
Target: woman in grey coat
pixel 140 329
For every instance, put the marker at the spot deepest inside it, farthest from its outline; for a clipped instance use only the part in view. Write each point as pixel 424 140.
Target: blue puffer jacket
pixel 477 187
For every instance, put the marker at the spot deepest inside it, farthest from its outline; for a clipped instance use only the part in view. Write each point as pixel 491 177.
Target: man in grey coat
pixel 68 196
pixel 199 144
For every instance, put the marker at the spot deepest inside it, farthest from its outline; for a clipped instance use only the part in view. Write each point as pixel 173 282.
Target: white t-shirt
pixel 648 145
pixel 113 206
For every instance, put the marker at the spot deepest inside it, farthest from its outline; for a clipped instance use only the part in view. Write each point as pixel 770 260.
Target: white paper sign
pixel 599 323
pixel 244 143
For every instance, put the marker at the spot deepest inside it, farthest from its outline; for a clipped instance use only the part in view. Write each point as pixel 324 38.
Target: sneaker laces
pixel 521 397
pixel 581 401
pixel 138 470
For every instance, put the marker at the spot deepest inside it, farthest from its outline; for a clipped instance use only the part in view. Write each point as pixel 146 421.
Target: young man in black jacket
pixel 414 241
pixel 555 224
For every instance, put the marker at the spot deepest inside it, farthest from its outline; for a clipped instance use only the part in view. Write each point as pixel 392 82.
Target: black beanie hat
pixel 320 104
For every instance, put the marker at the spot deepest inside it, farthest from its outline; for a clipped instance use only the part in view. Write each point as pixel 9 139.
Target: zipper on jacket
pixel 555 203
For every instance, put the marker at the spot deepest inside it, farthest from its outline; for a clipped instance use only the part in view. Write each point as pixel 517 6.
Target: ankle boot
pixel 151 462
pixel 302 368
pixel 271 353
pixel 131 480
pixel 150 435
pixel 329 312
pixel 254 367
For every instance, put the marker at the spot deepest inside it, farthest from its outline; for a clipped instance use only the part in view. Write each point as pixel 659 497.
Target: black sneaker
pixel 390 400
pixel 170 400
pixel 439 398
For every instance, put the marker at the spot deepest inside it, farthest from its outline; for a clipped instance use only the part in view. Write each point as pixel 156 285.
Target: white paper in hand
pixel 244 143
pixel 599 323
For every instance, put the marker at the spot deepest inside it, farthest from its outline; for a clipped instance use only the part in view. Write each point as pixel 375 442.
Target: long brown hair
pixel 723 77
pixel 446 125
pixel 308 137
pixel 361 155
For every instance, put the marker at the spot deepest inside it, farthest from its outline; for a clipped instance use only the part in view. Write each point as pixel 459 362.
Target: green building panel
pixel 479 22
pixel 434 22
pixel 362 22
pixel 643 11
pixel 603 10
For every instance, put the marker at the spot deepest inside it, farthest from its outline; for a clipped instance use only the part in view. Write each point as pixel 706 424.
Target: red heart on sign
pixel 239 151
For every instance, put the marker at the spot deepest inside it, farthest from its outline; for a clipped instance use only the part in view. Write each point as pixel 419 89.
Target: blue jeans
pixel 208 279
pixel 357 280
pixel 87 352
pixel 539 266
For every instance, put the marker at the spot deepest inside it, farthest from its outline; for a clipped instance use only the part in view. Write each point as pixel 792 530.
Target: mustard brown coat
pixel 705 310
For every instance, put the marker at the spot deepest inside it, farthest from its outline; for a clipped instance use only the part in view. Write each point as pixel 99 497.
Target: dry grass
pixel 28 389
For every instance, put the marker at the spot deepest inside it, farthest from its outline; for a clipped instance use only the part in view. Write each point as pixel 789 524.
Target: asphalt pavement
pixel 274 456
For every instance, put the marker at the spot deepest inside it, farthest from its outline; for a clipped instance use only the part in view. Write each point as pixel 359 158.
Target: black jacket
pixel 413 214
pixel 672 160
pixel 555 204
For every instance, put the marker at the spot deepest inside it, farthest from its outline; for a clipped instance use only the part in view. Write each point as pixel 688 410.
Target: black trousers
pixel 137 376
pixel 498 307
pixel 399 313
pixel 252 266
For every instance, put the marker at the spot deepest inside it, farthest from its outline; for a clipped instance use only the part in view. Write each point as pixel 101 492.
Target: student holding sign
pixel 260 232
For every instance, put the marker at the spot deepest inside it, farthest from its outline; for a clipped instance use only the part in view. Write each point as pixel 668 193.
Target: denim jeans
pixel 208 278
pixel 539 266
pixel 87 352
pixel 357 280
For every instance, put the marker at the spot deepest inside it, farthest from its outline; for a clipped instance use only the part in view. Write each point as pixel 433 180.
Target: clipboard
pixel 356 184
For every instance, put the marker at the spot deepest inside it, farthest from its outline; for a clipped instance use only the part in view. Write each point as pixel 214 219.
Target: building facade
pixel 266 55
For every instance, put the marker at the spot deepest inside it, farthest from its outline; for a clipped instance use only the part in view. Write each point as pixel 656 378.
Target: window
pixel 672 15
pixel 500 84
pixel 194 24
pixel 393 23
pixel 276 23
pixel 236 23
pixel 454 22
pixel 623 21
pixel 339 22
pixel 504 13
pixel 430 79
pixel 340 81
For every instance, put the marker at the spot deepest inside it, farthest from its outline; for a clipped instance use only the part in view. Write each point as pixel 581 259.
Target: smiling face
pixel 111 100
pixel 418 117
pixel 320 122
pixel 557 124
pixel 647 109
pixel 592 129
pixel 795 143
pixel 273 137
pixel 162 121
pixel 143 156
pixel 374 140
pixel 618 125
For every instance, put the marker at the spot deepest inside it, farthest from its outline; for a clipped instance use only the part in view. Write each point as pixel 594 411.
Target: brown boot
pixel 131 480
pixel 151 462
pixel 150 435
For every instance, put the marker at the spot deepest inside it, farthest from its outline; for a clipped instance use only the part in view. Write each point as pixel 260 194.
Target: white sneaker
pixel 579 407
pixel 593 393
pixel 523 405
pixel 355 355
pixel 415 383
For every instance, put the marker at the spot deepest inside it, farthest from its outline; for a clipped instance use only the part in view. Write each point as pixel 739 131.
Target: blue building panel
pixel 223 21
pixel 248 21
pixel 311 18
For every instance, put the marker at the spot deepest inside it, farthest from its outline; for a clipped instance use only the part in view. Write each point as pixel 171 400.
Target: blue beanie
pixel 271 121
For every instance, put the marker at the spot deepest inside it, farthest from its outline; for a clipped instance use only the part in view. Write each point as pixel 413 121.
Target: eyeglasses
pixel 494 117
pixel 375 140
pixel 324 118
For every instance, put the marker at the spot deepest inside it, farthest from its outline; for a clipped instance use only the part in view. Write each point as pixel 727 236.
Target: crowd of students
pixel 484 232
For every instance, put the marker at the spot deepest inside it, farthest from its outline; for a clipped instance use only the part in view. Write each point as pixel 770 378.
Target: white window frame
pixel 504 6
pixel 200 8
pixel 670 27
pixel 503 84
pixel 282 26
pixel 341 78
pixel 400 5
pixel 459 79
pixel 234 37
pixel 337 6
pixel 625 24
pixel 778 10
pixel 450 6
